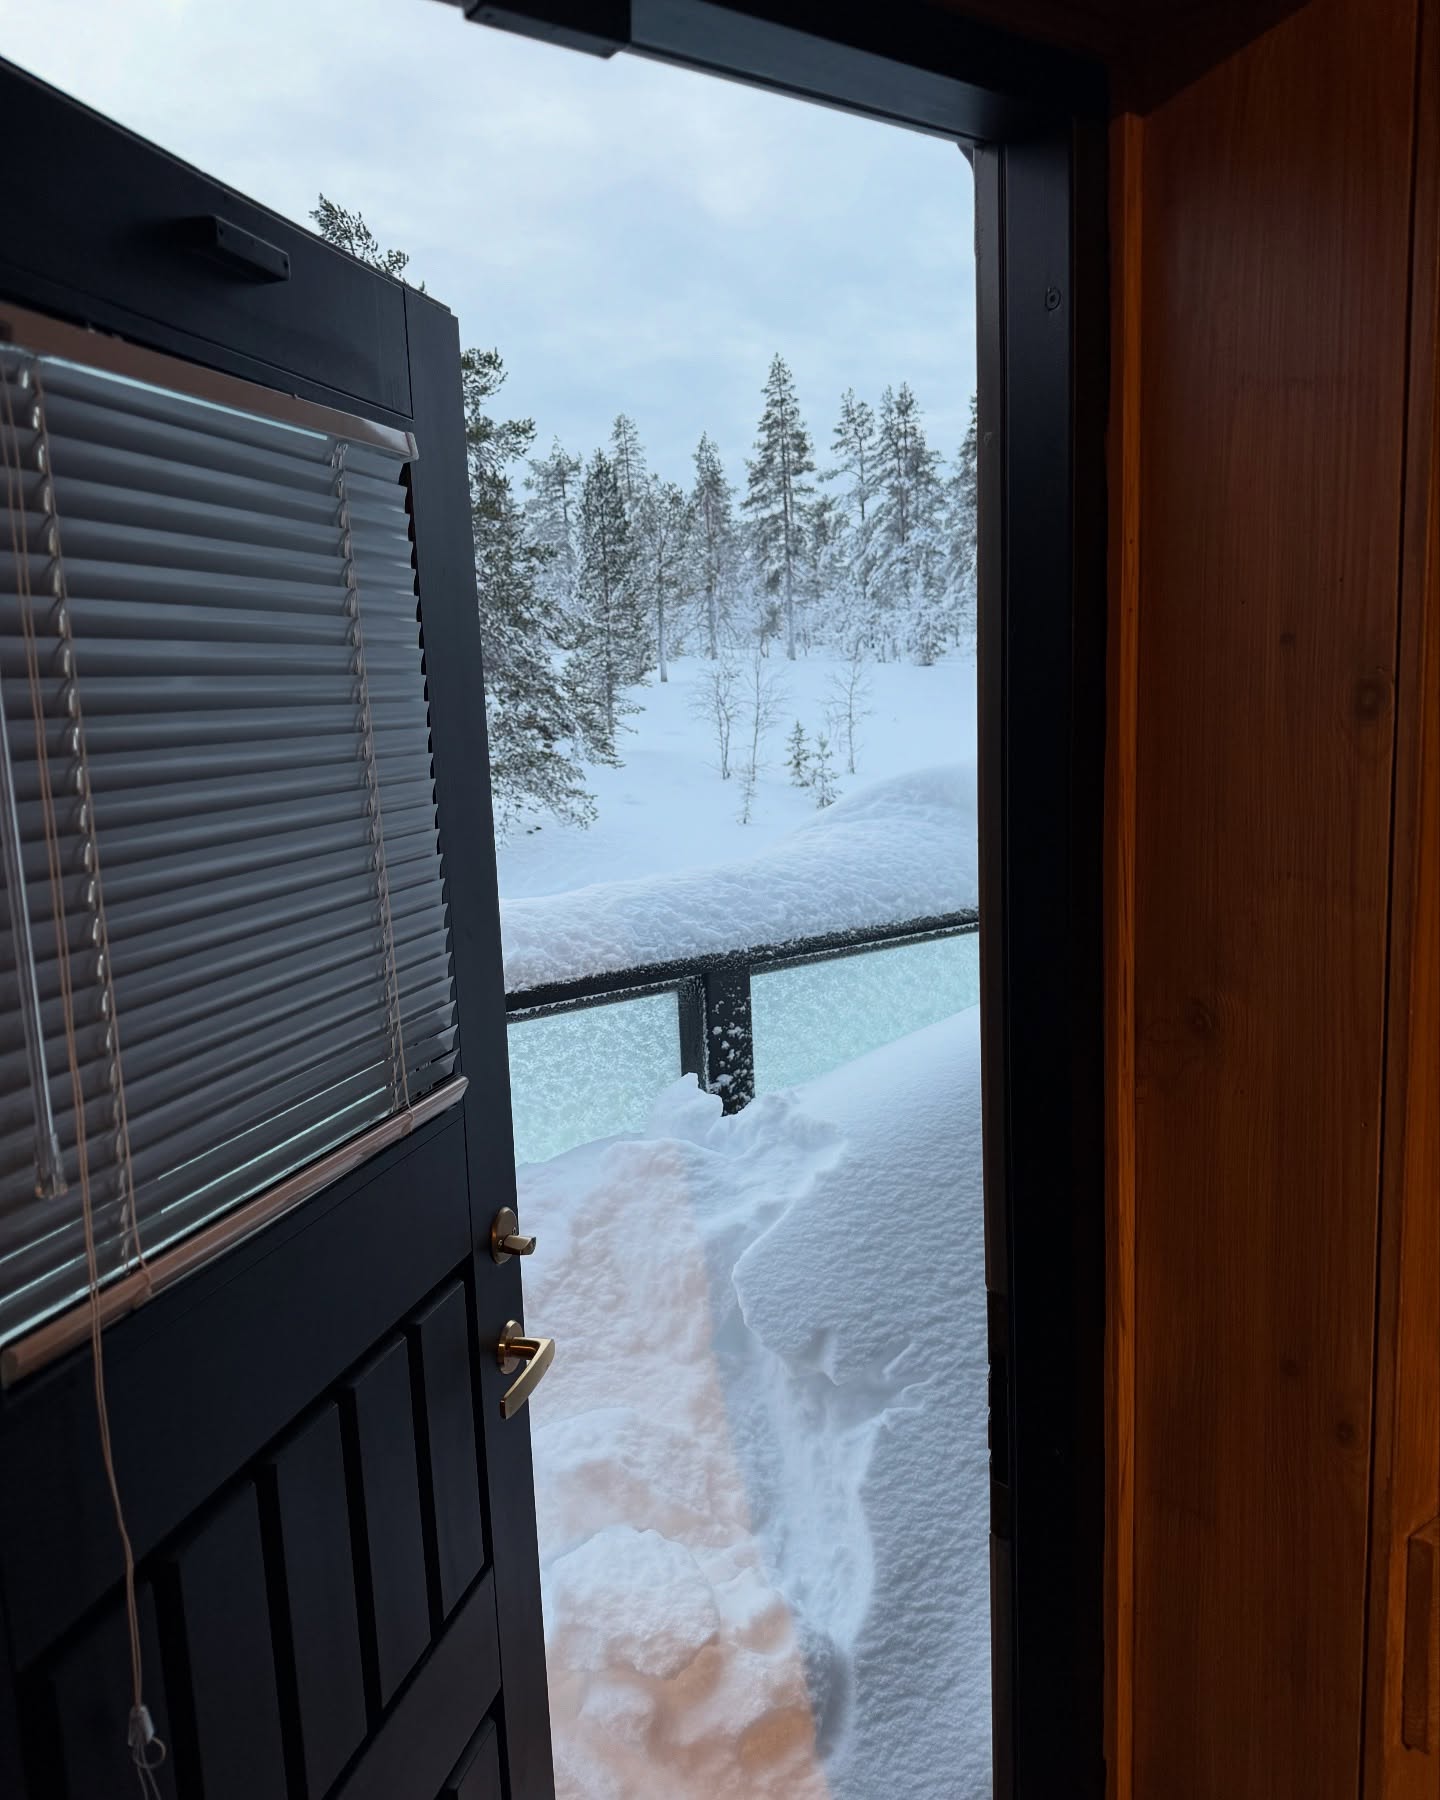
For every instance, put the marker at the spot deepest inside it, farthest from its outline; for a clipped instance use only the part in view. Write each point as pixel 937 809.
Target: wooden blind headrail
pixel 47 1342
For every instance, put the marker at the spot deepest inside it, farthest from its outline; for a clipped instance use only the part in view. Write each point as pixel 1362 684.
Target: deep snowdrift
pixel 760 1457
pixel 900 849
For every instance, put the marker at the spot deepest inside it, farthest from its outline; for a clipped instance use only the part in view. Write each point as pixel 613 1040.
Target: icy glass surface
pixel 814 1018
pixel 583 1075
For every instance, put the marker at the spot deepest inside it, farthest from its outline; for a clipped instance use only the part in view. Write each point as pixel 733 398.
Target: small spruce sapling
pixel 823 777
pixel 797 757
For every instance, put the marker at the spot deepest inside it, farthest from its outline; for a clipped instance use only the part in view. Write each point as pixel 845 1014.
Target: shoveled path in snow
pixel 760 1457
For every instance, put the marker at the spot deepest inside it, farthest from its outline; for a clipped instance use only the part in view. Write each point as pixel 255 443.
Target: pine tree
pixel 778 490
pixel 824 570
pixel 823 777
pixel 713 541
pixel 610 643
pixel 909 530
pixel 797 756
pixel 530 718
pixel 962 534
pixel 348 231
pixel 662 518
pixel 629 460
pixel 552 514
pixel 533 725
pixel 856 444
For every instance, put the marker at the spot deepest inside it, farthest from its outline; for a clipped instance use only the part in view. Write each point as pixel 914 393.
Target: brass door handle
pixel 537 1354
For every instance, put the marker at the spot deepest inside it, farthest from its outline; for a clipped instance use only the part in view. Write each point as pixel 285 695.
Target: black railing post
pixel 729 1038
pixel 690 1001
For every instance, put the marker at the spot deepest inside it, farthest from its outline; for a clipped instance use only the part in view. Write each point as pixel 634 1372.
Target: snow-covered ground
pixel 668 810
pixel 760 1457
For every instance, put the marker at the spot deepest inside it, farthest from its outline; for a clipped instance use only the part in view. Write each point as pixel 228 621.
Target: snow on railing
pixel 895 854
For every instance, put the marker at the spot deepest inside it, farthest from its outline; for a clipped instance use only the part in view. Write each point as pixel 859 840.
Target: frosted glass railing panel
pixel 813 1018
pixel 582 1075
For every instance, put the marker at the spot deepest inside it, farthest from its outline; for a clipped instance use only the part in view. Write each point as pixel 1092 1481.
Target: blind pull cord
pixel 147 1751
pixel 399 1078
pixel 49 1162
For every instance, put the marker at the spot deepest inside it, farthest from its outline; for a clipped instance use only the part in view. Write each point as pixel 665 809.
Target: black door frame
pixel 1032 122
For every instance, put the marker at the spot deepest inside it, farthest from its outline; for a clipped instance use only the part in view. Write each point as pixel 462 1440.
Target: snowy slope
pixel 760 1457
pixel 666 808
pixel 897 850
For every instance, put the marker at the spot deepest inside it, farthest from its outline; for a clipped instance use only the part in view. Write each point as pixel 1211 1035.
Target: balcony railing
pixel 713 994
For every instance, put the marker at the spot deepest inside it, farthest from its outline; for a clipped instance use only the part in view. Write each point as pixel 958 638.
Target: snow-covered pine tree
pixel 662 529
pixel 628 455
pixel 713 545
pixel 823 590
pixel 962 531
pixel 778 490
pixel 856 448
pixel 531 721
pixel 610 644
pixel 822 778
pixel 797 756
pixel 909 573
pixel 552 515
pixel 856 445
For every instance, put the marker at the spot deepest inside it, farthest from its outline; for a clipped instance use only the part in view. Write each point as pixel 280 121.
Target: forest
pixel 595 573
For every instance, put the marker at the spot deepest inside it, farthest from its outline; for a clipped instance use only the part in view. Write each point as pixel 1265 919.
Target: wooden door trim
pixel 1405 1470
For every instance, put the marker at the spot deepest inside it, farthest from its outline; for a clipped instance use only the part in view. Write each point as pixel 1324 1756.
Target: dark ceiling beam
pixel 910 62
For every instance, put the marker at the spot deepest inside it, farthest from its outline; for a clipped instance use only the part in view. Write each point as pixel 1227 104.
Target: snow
pixel 760 1456
pixel 667 809
pixel 896 850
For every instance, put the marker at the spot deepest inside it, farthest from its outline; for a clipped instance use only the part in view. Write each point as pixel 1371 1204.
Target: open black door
pixel 332 1519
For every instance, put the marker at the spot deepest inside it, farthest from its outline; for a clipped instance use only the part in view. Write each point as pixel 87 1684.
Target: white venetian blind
pixel 217 793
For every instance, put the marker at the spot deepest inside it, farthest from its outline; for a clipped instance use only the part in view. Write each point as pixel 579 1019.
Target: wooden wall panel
pixel 1274 245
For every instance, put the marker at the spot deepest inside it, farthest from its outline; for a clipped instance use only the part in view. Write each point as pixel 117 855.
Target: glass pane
pixel 581 1075
pixel 812 1019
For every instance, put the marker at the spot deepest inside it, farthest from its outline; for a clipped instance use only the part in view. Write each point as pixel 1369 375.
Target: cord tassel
pixel 147 1751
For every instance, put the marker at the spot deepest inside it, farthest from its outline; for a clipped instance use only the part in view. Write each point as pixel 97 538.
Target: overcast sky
pixel 630 237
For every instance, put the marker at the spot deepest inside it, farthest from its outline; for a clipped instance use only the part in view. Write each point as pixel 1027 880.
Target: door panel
pixel 334 1528
pixel 303 1494
pixel 218 1633
pixel 380 1424
pixel 445 1404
